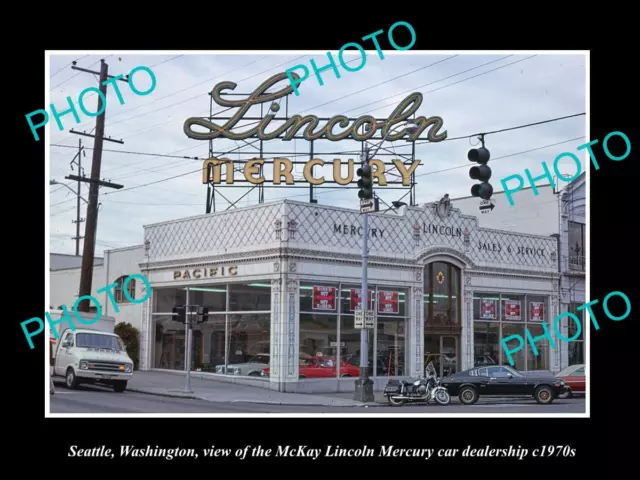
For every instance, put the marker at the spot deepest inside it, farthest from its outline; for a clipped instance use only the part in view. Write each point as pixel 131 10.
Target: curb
pixel 197 397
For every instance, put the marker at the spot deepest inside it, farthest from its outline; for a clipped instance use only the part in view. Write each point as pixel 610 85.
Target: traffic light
pixel 365 183
pixel 179 314
pixel 482 172
pixel 202 315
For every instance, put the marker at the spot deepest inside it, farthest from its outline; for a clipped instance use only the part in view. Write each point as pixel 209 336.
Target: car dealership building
pixel 281 281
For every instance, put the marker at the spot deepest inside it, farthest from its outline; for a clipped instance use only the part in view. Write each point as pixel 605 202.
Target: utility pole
pixel 78 220
pixel 95 183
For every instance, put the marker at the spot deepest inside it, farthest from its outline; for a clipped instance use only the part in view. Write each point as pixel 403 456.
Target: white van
pixel 92 356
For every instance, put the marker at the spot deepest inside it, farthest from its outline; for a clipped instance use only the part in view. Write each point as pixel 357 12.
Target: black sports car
pixel 502 380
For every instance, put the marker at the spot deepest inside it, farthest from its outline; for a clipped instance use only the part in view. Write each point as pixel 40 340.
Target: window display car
pixel 322 367
pixel 252 368
pixel 501 380
pixel 574 380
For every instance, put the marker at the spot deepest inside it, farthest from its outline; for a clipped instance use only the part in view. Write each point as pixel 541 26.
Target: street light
pixel 55 182
pixel 364 385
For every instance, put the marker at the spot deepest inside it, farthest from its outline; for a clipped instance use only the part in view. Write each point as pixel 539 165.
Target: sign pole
pixel 364 385
pixel 187 350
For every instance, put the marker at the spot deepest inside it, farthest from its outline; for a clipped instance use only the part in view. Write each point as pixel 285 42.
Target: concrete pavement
pixel 247 398
pixel 94 399
pixel 212 390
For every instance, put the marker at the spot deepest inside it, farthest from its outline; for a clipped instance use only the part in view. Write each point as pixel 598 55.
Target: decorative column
pixel 284 332
pixel 466 339
pixel 416 342
pixel 276 320
pixel 147 333
pixel 555 362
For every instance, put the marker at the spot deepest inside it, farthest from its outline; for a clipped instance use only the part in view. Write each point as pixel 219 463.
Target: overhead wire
pixel 455 138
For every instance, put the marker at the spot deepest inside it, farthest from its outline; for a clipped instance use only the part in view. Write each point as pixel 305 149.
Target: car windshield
pixel 96 340
pixel 513 371
pixel 567 371
pixel 259 359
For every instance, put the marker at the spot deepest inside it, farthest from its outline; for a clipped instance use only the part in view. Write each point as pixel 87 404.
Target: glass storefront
pixel 576 347
pixel 235 339
pixel 497 316
pixel 329 341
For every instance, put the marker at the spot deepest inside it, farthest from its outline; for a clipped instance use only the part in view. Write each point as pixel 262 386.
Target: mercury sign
pixel 360 129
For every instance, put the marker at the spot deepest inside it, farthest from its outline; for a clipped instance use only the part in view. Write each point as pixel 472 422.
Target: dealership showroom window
pixel 516 312
pixel 238 327
pixel 327 328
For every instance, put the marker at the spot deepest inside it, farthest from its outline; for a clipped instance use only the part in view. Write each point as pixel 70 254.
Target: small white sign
pixel 364 319
pixel 368 205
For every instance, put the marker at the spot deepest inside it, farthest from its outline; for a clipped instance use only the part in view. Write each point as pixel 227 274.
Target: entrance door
pixel 448 355
pixel 442 350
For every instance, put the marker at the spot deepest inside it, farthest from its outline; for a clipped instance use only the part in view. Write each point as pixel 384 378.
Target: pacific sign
pixel 361 129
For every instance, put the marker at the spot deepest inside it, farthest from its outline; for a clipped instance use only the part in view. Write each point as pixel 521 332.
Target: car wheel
pixel 468 396
pixel 346 375
pixel 254 374
pixel 300 377
pixel 120 386
pixel 71 381
pixel 543 395
pixel 566 394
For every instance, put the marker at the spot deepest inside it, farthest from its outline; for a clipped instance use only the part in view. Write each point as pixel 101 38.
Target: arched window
pixel 442 296
pixel 119 290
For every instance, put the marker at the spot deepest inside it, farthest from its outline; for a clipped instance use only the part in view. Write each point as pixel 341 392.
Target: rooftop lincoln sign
pixel 362 128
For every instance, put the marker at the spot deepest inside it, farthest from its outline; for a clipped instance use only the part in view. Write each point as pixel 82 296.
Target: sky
pixel 471 93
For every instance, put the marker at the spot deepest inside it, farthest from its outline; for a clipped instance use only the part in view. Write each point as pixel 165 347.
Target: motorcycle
pixel 422 390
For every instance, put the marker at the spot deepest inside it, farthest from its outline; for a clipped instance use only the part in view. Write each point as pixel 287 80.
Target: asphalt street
pixel 94 399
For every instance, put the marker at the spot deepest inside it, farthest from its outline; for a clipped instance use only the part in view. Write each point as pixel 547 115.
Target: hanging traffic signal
pixel 179 314
pixel 365 183
pixel 482 172
pixel 202 315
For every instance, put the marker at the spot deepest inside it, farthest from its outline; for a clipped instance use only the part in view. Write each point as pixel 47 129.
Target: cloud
pixel 472 93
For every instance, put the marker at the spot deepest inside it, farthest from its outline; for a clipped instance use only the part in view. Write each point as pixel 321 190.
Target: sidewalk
pixel 212 390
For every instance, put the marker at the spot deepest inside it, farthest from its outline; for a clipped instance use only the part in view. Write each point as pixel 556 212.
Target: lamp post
pixel 364 385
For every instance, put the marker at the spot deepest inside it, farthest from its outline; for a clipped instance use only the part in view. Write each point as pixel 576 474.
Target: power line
pixel 505 129
pixel 504 156
pixel 381 83
pixel 77 60
pixel 74 76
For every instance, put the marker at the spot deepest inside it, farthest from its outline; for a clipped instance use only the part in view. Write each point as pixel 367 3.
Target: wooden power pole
pixel 88 252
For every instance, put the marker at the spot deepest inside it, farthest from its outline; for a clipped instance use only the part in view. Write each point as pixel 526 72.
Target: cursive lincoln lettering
pixel 363 128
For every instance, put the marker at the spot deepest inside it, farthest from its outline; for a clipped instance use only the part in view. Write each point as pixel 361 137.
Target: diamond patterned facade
pixel 287 242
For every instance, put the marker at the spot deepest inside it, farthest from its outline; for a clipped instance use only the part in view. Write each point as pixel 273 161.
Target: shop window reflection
pixel 318 345
pixel 248 336
pixel 390 351
pixel 576 347
pixel 214 297
pixel 350 341
pixel 164 299
pixel 519 356
pixel 540 361
pixel 252 297
pixel 169 345
pixel 486 343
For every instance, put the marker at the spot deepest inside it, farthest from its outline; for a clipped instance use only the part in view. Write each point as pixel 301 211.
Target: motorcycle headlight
pixel 128 367
pixel 84 365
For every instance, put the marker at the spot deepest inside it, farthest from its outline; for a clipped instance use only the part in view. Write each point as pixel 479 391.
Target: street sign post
pixel 486 206
pixel 363 319
pixel 369 205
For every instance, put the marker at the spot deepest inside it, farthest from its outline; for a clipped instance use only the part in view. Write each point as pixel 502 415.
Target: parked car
pixel 86 356
pixel 502 380
pixel 574 380
pixel 322 367
pixel 252 368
